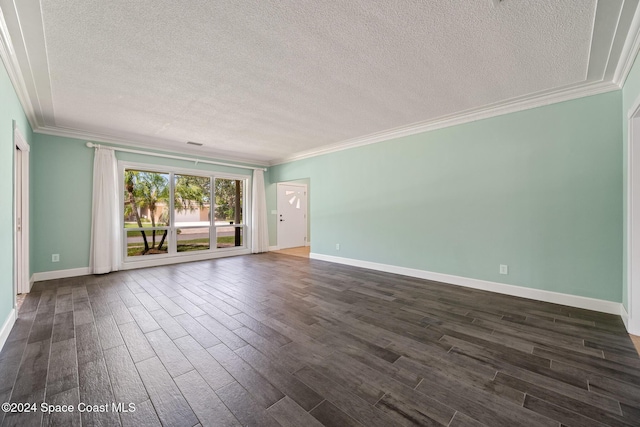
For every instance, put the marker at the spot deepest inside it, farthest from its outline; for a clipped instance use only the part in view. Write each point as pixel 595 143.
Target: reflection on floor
pixel 302 251
pixel 19 301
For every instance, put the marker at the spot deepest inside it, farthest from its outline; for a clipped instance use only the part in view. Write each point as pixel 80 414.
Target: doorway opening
pixel 633 220
pixel 21 218
pixel 292 217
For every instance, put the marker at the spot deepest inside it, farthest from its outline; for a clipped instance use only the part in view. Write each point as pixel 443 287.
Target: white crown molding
pixel 95 137
pixel 6 327
pixel 603 306
pixel 625 62
pixel 629 51
pixel 7 53
pixel 485 112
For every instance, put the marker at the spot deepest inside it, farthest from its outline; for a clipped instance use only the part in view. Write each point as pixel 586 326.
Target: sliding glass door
pixel 192 212
pixel 175 213
pixel 229 221
pixel 146 212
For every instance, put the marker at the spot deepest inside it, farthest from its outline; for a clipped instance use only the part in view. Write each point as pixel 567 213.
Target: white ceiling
pixel 267 80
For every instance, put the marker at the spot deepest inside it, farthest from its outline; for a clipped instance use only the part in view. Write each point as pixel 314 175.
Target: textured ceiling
pixel 265 79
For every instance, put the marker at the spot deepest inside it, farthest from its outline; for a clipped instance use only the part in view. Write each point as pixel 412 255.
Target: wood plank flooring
pixel 268 340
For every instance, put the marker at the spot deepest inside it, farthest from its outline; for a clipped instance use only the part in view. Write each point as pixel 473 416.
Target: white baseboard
pixel 85 271
pixel 6 327
pixel 625 316
pixel 632 327
pixel 31 281
pixel 60 274
pixel 501 288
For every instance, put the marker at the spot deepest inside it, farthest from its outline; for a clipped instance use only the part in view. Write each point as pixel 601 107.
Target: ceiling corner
pixel 630 49
pixel 11 64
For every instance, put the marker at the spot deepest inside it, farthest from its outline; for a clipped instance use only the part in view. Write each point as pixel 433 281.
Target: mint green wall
pixel 10 110
pixel 630 93
pixel 62 176
pixel 539 190
pixel 62 180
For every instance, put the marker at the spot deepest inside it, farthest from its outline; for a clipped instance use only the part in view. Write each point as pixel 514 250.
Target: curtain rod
pixel 168 156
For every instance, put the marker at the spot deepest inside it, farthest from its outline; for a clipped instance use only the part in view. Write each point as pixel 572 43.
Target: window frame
pixel 172 253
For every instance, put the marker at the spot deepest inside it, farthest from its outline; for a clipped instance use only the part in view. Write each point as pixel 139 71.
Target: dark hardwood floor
pixel 271 339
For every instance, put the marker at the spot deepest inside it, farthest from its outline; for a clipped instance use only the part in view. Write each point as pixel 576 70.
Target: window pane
pixel 229 237
pixel 157 242
pixel 146 199
pixel 192 201
pixel 229 196
pixel 193 239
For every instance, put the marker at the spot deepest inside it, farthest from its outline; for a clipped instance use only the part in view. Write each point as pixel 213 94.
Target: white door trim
pixel 306 190
pixel 21 143
pixel 633 218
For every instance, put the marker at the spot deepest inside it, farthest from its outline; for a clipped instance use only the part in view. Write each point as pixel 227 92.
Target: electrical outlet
pixel 504 269
pixel 337 246
pixel 55 258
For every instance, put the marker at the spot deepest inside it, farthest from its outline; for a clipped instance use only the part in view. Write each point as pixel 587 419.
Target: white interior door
pixel 18 253
pixel 292 215
pixel 21 213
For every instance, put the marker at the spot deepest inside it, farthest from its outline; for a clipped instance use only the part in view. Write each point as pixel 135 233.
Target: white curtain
pixel 259 226
pixel 105 226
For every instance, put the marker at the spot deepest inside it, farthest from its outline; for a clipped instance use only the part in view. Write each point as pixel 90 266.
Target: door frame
pixel 22 282
pixel 306 210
